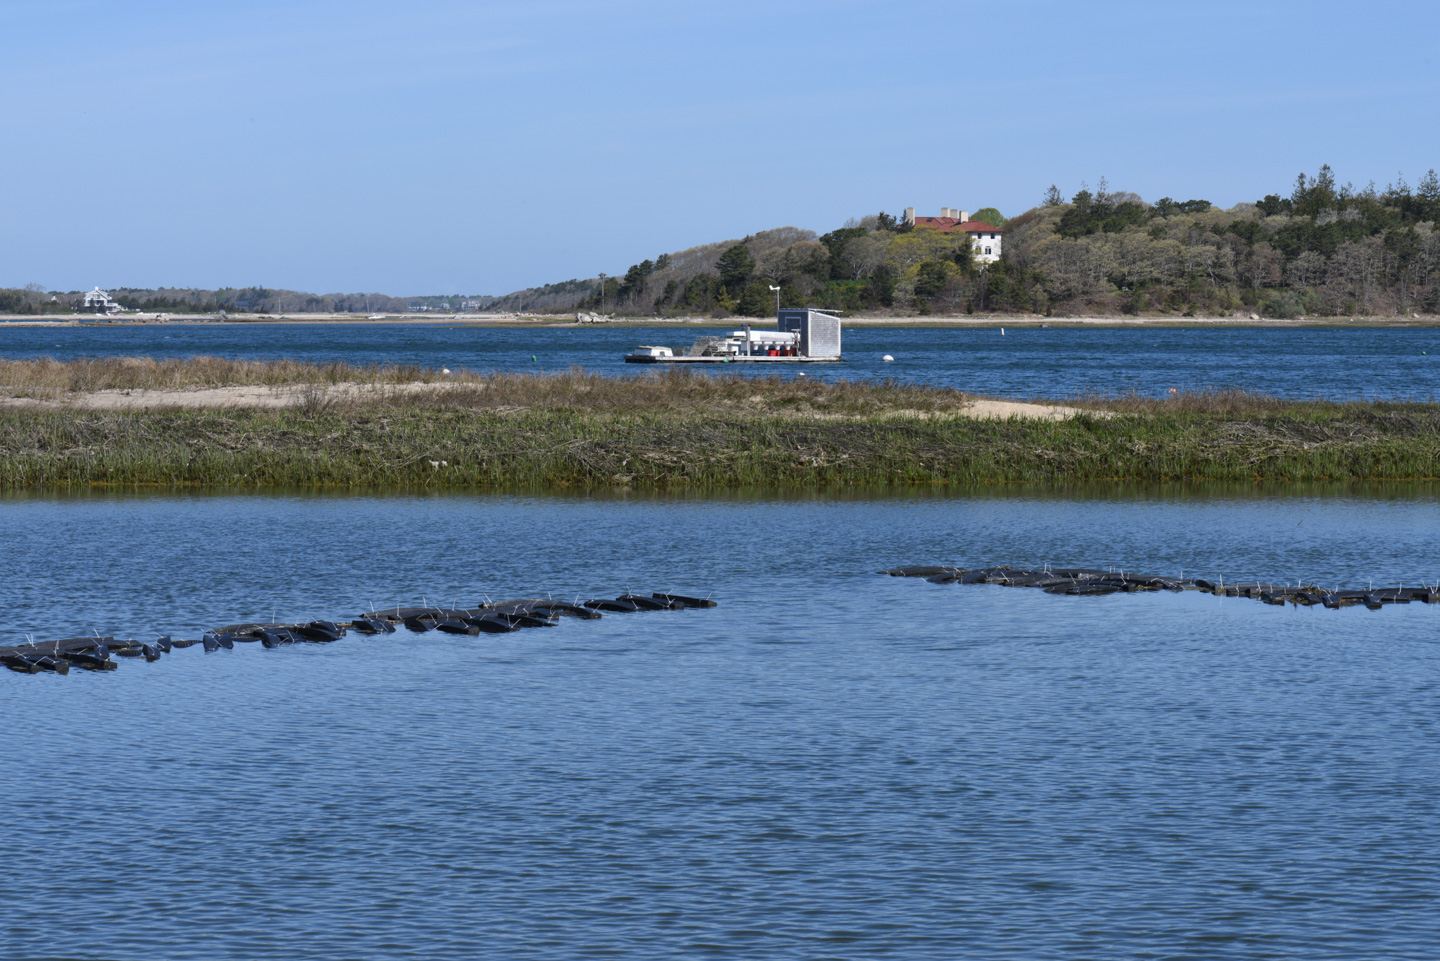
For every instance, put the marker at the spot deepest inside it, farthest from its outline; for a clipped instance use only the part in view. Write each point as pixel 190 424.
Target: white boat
pixel 646 354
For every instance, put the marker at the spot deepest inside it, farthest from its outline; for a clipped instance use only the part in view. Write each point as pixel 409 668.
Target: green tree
pixel 1311 197
pixel 1053 198
pixel 931 278
pixel 964 256
pixel 1428 195
pixel 756 300
pixel 989 215
pixel 667 297
pixel 735 266
pixel 607 295
pixel 1076 222
pixel 1272 204
pixel 635 278
pixel 700 292
pixel 723 300
pixel 836 241
pixel 879 288
pixel 918 246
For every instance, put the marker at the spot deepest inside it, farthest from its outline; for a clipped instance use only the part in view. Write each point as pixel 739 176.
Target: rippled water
pixel 831 764
pixel 1343 362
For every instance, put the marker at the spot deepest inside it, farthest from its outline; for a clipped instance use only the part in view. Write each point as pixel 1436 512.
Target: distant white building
pixel 99 302
pixel 984 238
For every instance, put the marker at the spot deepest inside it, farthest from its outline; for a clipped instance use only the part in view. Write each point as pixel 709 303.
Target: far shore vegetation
pixel 1319 248
pixel 673 431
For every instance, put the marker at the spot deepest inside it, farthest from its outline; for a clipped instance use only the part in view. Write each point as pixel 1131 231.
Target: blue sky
pixel 448 147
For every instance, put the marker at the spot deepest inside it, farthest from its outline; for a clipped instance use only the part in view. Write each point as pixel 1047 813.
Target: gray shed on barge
pixel 819 331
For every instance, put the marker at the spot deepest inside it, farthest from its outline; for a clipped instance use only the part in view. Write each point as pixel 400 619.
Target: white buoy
pixel 1002 331
pixel 887 357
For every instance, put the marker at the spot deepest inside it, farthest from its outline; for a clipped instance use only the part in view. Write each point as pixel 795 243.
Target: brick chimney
pixel 909 215
pixel 964 215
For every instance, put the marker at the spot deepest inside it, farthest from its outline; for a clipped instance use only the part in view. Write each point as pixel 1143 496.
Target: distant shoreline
pixel 536 320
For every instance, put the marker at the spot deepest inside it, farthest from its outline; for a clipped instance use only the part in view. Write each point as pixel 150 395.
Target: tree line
pixel 1323 248
pixel 33 299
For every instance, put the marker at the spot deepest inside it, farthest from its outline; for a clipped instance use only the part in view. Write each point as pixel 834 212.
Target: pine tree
pixel 1428 194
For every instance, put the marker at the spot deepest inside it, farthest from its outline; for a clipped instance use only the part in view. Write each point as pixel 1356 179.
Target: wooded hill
pixel 1322 249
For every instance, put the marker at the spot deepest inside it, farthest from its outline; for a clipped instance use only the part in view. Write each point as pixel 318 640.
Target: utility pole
pixel 602 293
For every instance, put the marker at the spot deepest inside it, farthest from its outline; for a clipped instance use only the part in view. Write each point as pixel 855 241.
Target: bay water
pixel 832 763
pixel 1340 362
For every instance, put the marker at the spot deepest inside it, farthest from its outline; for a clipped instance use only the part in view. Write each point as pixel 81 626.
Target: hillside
pixel 662 284
pixel 1323 248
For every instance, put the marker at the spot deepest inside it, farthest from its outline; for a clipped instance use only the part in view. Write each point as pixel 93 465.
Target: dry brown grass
pixel 148 373
pixel 676 388
pixel 1227 402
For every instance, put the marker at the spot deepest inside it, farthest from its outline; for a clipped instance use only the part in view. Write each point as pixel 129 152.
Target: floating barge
pixel 805 336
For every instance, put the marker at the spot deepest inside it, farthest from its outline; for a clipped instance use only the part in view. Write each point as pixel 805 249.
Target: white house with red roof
pixel 984 238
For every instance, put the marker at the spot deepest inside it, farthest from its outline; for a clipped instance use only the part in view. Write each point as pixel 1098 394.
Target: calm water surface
pixel 1340 362
pixel 831 764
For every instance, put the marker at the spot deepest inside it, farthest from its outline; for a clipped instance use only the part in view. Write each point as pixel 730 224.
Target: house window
pixel 987 251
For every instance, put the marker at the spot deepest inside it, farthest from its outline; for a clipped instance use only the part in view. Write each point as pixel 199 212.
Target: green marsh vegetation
pixel 677 430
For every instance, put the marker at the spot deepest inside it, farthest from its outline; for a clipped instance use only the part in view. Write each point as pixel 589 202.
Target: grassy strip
pixel 379 446
pixel 677 430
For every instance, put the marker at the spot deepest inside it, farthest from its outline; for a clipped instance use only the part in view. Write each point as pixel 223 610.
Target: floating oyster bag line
pixel 94 653
pixel 1084 581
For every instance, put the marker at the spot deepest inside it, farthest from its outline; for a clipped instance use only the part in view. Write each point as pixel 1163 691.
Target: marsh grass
pixel 578 389
pixel 677 429
pixel 149 373
pixel 1214 402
